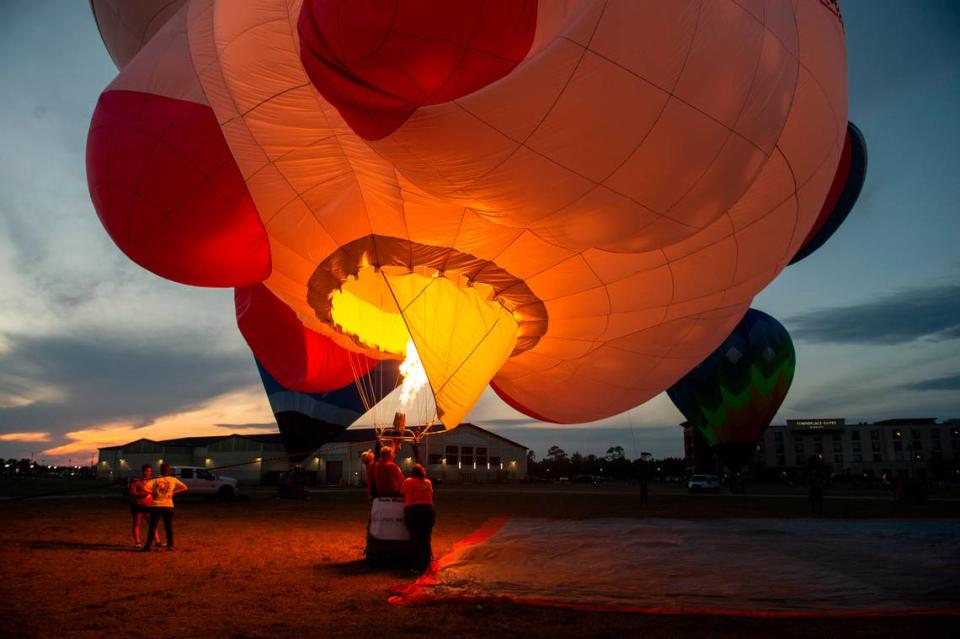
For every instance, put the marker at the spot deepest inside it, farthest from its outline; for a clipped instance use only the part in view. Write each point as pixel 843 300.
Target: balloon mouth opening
pixel 399 313
pixel 459 316
pixel 370 290
pixel 381 307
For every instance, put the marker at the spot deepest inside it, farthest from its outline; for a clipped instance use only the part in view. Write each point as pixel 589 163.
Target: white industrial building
pixel 467 454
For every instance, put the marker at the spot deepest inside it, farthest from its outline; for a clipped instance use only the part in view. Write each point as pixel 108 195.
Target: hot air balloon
pixel 844 191
pixel 731 397
pixel 309 420
pixel 572 201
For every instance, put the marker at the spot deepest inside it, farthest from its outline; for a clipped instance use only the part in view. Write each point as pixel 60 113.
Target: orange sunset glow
pixel 232 412
pixel 25 437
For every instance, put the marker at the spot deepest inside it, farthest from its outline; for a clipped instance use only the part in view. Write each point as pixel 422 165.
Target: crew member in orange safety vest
pixel 419 514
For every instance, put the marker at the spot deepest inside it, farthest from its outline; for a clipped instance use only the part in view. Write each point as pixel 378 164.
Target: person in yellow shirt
pixel 162 489
pixel 419 515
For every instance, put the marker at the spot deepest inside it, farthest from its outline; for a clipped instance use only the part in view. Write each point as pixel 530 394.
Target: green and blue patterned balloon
pixel 731 397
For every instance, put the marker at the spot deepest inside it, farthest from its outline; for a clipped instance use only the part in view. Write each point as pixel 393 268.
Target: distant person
pixel 162 491
pixel 419 515
pixel 368 459
pixel 140 501
pixel 387 476
pixel 815 494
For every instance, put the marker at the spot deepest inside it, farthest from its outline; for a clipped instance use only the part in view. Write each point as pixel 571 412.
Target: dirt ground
pixel 270 568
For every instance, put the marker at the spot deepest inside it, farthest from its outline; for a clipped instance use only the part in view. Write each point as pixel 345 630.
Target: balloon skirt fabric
pixel 741 567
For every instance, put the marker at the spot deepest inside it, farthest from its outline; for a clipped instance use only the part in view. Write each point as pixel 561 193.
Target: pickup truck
pixel 202 482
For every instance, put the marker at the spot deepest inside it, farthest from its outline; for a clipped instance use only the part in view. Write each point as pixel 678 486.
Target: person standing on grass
pixel 419 515
pixel 162 491
pixel 140 501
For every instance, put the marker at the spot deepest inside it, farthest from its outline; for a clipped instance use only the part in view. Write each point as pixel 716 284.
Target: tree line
pixel 29 468
pixel 615 465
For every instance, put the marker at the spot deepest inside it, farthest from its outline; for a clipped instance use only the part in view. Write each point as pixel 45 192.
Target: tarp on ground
pixel 757 567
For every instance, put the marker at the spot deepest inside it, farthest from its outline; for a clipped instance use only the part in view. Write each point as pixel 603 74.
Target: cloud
pixel 948 383
pixel 205 419
pixel 87 381
pixel 872 398
pixel 25 437
pixel 930 312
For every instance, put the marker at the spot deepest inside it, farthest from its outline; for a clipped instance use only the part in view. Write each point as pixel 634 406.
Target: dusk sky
pixel 95 351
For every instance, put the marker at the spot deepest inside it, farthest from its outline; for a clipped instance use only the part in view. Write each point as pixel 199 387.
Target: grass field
pixel 269 568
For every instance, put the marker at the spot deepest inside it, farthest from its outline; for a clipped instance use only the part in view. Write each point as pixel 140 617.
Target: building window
pixel 452 458
pixel 778 436
pixel 466 455
pixel 855 435
pixel 781 460
pixel 857 458
pixel 799 460
pixel 495 462
pixel 838 458
pixel 481 456
pixel 435 459
pixel 898 455
pixel 876 457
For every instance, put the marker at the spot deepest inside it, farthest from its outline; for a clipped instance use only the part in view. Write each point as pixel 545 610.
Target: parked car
pixel 703 483
pixel 202 482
